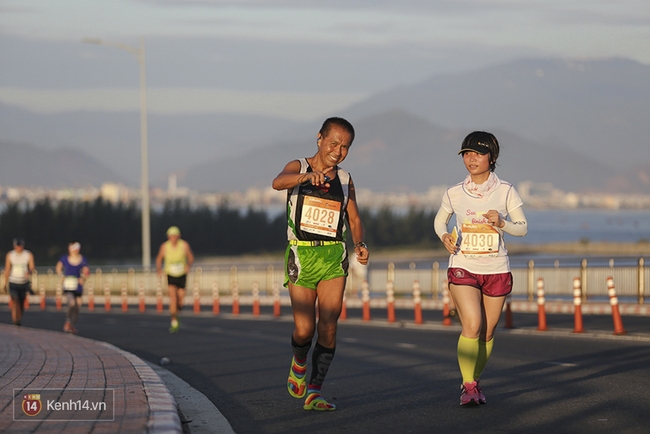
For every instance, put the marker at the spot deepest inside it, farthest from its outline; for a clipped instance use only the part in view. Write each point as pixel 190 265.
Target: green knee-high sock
pixel 484 351
pixel 467 357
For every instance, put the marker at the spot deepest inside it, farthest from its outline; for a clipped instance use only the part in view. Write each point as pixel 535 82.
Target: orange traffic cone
pixel 196 298
pixel 141 299
pixel 365 298
pixel 42 294
pixel 216 308
pixel 256 299
pixel 235 299
pixel 125 301
pixel 159 297
pixel 59 297
pixel 107 297
pixel 417 302
pixel 616 315
pixel 577 303
pixel 91 297
pixel 541 306
pixel 390 301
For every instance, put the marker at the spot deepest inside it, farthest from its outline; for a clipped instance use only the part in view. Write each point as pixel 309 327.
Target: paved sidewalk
pixel 41 359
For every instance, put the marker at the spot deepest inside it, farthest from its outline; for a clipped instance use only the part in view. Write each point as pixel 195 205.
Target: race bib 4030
pixel 320 216
pixel 479 240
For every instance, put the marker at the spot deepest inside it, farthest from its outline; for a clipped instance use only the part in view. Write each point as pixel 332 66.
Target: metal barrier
pixel 558 282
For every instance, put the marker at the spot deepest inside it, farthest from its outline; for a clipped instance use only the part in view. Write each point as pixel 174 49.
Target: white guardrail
pixel 204 284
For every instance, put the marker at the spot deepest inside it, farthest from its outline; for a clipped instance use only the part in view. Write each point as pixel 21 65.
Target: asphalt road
pixel 396 379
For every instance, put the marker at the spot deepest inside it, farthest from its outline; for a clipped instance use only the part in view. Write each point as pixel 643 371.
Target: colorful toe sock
pixel 298 371
pixel 296 380
pixel 315 401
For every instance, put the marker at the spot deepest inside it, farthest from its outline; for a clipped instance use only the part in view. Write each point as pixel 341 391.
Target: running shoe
pixel 174 326
pixel 481 397
pixel 67 327
pixel 469 394
pixel 296 381
pixel 316 402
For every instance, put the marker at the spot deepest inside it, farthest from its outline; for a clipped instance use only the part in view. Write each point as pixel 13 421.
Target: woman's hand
pixel 494 218
pixel 449 243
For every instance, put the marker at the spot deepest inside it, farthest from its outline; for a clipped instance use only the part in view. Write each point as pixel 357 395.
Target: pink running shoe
pixel 481 397
pixel 469 394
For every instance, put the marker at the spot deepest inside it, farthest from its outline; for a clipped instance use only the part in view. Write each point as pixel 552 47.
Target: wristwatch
pixel 361 244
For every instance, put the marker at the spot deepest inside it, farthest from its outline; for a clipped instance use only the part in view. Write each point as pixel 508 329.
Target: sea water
pixel 548 226
pixel 575 226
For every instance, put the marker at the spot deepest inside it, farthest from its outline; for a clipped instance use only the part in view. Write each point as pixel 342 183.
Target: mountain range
pixel 26 165
pixel 580 125
pixel 599 107
pixel 397 151
pixel 175 142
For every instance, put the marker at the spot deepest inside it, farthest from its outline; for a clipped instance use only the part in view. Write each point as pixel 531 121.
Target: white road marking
pixel 404 345
pixel 568 365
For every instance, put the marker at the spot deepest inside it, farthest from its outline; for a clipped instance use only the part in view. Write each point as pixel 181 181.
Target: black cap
pixel 19 242
pixel 479 147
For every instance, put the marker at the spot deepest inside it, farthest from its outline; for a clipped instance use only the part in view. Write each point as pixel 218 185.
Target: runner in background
pixel 320 201
pixel 74 270
pixel 178 258
pixel 479 270
pixel 19 265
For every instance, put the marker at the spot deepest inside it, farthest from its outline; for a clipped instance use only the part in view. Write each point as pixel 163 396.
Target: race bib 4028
pixel 320 216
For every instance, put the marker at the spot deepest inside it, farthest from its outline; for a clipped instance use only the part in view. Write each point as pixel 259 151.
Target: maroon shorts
pixel 494 285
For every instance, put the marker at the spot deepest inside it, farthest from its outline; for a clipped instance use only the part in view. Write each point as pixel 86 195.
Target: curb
pixel 163 410
pixel 200 415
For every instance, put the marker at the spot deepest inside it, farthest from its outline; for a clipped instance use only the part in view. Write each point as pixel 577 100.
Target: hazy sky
pixel 294 59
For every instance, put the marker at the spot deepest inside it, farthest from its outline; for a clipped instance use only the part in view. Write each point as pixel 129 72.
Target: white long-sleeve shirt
pixel 481 246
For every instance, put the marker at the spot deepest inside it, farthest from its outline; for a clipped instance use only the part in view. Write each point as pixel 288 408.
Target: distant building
pixel 114 193
pixel 172 184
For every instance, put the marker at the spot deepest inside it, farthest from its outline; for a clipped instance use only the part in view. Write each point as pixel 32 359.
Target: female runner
pixel 479 270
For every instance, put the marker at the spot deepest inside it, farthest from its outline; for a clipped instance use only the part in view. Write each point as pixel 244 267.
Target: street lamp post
pixel 139 53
